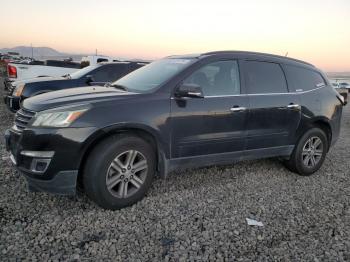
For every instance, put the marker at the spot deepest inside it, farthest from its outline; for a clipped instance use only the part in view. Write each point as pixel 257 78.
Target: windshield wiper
pixel 119 87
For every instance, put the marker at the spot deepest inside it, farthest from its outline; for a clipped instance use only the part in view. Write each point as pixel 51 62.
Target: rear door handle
pixel 237 109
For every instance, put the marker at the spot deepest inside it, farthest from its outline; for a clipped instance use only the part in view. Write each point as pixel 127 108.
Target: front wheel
pixel 119 171
pixel 309 153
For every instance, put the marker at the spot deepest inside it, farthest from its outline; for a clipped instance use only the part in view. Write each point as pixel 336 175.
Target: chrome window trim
pixel 268 94
pixel 262 94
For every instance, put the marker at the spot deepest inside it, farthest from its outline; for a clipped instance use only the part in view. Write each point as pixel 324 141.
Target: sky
pixel 317 31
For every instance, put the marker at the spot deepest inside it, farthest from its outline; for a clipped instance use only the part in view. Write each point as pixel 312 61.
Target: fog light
pixel 39 165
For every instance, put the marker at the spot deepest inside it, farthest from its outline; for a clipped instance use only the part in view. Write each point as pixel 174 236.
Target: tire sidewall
pixel 301 168
pixel 103 157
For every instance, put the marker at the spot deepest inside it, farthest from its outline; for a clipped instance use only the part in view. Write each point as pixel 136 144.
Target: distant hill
pixel 43 53
pixel 37 51
pixel 338 74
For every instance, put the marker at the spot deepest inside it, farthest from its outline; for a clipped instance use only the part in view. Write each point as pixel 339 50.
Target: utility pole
pixel 31 45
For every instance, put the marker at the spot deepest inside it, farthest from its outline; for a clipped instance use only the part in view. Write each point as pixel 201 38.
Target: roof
pixel 122 62
pixel 257 54
pixel 243 54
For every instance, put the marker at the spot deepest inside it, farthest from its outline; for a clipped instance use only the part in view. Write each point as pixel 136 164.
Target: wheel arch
pixel 145 133
pixel 321 122
pixel 325 126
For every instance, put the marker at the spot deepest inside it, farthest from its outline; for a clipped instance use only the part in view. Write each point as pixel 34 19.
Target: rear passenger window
pixel 302 79
pixel 264 78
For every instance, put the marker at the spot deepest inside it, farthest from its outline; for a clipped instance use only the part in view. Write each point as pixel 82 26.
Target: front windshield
pixel 152 75
pixel 83 71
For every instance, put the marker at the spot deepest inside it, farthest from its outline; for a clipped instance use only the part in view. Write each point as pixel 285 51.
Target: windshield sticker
pixel 180 61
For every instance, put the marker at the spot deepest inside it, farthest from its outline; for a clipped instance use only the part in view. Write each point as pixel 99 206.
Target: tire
pixel 301 160
pixel 107 164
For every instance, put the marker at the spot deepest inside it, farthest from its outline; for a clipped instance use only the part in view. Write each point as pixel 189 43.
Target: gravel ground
pixel 199 214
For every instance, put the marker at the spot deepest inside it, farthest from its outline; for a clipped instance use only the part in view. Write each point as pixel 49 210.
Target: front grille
pixel 22 118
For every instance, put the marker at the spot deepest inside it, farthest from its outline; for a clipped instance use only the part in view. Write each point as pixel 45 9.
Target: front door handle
pixel 292 106
pixel 237 109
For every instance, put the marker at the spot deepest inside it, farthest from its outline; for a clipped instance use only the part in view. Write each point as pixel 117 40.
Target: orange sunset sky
pixel 315 31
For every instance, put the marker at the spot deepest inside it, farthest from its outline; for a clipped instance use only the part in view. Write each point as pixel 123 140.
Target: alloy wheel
pixel 312 152
pixel 126 174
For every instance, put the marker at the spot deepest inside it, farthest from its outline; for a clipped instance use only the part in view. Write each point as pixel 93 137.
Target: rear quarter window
pixel 302 79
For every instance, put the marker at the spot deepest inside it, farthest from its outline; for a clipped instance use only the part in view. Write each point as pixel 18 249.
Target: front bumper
pixel 12 103
pixel 60 174
pixel 63 183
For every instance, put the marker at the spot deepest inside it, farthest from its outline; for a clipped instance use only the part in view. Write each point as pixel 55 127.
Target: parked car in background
pixel 95 59
pixel 56 68
pixel 178 112
pixel 335 85
pixel 344 85
pixel 20 71
pixel 98 74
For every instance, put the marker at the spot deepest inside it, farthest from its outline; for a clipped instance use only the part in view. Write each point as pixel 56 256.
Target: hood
pixel 39 79
pixel 79 95
pixel 14 84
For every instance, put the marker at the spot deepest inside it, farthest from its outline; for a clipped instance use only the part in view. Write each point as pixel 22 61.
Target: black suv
pixel 98 74
pixel 181 111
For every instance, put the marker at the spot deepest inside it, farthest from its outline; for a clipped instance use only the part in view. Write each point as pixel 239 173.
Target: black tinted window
pixel 58 63
pixel 264 77
pixel 99 60
pixel 218 78
pixel 109 73
pixel 301 79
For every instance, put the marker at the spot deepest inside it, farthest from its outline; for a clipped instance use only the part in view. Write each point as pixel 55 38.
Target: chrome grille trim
pixel 22 118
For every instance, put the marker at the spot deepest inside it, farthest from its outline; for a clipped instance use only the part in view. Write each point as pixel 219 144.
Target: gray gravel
pixel 193 215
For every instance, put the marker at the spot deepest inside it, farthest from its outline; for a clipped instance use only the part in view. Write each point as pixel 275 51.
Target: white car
pixel 335 85
pixel 21 71
pixel 49 68
pixel 344 85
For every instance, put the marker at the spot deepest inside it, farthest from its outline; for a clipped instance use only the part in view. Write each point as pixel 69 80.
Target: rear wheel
pixel 309 153
pixel 119 171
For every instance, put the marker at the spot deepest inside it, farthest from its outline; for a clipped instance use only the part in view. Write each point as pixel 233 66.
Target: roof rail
pixel 256 53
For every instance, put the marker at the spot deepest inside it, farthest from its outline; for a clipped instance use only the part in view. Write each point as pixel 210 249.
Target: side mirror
pixel 189 90
pixel 89 79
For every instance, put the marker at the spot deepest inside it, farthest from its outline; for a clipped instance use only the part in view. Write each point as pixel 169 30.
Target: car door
pixel 214 124
pixel 274 112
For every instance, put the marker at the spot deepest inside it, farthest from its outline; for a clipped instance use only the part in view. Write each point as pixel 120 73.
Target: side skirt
pixel 226 158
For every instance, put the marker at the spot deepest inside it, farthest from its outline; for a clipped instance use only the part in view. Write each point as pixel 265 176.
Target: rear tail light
pixel 12 71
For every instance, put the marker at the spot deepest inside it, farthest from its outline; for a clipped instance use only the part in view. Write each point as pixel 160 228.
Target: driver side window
pixel 218 78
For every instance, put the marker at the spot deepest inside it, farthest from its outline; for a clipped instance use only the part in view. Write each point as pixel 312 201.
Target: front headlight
pixel 18 90
pixel 58 118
